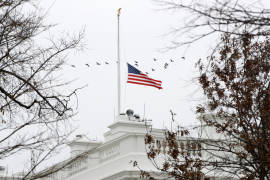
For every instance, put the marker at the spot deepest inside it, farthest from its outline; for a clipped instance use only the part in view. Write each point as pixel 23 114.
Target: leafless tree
pixel 203 18
pixel 235 80
pixel 34 113
pixel 236 84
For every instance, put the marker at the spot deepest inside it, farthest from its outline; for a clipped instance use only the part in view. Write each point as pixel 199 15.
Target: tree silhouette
pixel 206 18
pixel 236 82
pixel 34 113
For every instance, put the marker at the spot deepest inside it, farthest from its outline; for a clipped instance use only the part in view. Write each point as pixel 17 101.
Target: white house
pixel 112 159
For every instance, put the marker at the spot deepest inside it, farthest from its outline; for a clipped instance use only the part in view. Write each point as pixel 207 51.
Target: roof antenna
pixel 163 127
pixel 114 115
pixel 144 111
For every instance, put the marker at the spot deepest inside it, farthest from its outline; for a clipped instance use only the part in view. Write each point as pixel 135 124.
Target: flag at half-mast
pixel 135 76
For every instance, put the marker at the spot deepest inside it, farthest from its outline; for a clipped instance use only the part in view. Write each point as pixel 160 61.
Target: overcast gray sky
pixel 143 26
pixel 142 29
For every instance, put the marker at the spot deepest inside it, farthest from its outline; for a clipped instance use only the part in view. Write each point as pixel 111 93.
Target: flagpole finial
pixel 118 11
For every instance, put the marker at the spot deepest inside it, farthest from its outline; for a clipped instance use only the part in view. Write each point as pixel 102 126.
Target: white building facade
pixel 112 159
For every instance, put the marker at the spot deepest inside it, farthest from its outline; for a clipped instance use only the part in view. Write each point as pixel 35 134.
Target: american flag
pixel 135 76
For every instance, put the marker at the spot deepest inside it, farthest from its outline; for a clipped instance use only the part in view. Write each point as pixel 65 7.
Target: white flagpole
pixel 118 63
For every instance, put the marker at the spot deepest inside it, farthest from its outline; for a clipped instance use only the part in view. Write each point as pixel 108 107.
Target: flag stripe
pixel 142 80
pixel 134 82
pixel 159 87
pixel 139 76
